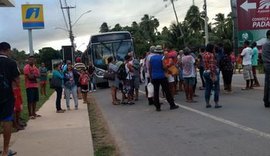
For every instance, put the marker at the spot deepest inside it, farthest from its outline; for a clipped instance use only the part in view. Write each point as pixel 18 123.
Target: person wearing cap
pixel 9 75
pixel 266 64
pixel 157 76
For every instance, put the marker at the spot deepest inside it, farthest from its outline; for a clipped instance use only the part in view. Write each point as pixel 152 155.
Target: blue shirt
pixel 58 74
pixel 157 67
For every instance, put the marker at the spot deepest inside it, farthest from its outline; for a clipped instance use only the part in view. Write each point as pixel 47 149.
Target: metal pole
pixel 177 21
pixel 206 24
pixel 30 42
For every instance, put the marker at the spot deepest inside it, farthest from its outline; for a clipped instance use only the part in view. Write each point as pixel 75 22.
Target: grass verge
pixel 104 144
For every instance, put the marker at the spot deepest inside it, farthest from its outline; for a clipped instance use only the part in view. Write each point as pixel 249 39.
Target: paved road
pixel 240 128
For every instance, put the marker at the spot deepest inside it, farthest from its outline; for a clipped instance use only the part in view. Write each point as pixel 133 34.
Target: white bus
pixel 101 46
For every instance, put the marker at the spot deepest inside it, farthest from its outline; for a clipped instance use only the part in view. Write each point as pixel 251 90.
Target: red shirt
pixel 31 70
pixel 210 63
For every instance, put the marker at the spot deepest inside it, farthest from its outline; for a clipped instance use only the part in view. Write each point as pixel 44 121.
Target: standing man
pixel 9 75
pixel 157 76
pixel 247 67
pixel 254 62
pixel 31 73
pixel 266 63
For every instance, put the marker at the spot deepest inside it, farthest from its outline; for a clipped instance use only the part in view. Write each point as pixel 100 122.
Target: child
pixel 84 81
pixel 17 108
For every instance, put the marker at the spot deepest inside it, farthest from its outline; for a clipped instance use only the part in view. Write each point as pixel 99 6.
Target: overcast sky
pixel 123 12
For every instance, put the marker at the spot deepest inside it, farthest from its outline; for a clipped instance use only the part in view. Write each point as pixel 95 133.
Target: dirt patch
pixel 104 144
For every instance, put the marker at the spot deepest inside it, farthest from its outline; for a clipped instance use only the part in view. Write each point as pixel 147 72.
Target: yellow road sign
pixel 32 16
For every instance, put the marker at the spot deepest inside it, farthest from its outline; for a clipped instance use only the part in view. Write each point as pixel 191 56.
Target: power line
pixel 65 20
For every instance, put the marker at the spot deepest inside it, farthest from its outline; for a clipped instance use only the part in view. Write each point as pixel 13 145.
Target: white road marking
pixel 224 121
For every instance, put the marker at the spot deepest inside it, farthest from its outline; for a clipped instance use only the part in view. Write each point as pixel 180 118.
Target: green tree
pixel 47 54
pixel 104 27
pixel 117 27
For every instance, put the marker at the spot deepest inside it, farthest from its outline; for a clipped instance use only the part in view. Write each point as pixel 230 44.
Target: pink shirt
pixel 33 70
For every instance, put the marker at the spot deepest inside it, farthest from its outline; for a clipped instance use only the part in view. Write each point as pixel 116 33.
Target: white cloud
pixel 123 12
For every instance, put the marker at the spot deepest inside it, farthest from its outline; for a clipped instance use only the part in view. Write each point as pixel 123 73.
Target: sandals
pixel 37 115
pixel 115 103
pixel 10 152
pixel 32 117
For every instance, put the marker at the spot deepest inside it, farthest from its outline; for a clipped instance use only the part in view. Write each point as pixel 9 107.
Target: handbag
pixel 109 76
pixel 55 82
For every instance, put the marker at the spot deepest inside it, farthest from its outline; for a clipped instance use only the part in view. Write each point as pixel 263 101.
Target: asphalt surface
pixel 240 128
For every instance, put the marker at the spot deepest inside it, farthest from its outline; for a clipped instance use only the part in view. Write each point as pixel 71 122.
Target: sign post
pixel 32 18
pixel 253 19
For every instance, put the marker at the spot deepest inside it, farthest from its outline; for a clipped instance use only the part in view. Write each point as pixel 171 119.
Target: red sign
pixel 253 14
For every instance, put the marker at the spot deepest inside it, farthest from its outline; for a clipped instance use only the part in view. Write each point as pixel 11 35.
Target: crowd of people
pixel 177 71
pixel 74 80
pixel 161 66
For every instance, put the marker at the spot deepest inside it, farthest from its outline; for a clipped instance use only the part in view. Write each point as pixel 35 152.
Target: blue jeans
pixel 209 86
pixel 72 91
pixel 266 97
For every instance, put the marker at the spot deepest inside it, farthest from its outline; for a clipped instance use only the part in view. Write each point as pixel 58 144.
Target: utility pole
pixel 193 2
pixel 206 23
pixel 71 36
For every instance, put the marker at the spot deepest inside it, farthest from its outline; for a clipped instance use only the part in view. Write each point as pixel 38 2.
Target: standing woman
pixel 43 79
pixel 211 75
pixel 58 74
pixel 114 84
pixel 71 78
pixel 226 67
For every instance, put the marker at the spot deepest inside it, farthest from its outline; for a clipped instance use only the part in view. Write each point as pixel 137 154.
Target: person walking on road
pixel 58 74
pixel 211 76
pixel 254 62
pixel 157 76
pixel 31 74
pixel 8 74
pixel 266 64
pixel 188 63
pixel 247 67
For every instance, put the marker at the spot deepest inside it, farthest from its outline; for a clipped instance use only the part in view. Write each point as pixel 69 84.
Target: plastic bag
pixel 150 89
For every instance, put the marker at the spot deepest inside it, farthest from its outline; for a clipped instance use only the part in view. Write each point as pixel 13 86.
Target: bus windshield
pixel 103 50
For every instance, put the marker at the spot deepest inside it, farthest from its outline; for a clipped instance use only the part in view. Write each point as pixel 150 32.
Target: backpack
pixel 84 80
pixel 121 72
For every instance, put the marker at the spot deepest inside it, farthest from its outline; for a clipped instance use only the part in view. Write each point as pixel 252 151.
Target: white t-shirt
pixel 247 55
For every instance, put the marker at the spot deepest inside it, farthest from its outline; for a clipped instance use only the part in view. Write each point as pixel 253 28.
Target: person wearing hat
pixel 266 64
pixel 157 76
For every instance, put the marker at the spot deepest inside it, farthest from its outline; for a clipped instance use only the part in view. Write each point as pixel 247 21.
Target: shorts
pixel 247 72
pixel 136 82
pixel 32 95
pixel 7 119
pixel 84 88
pixel 190 81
